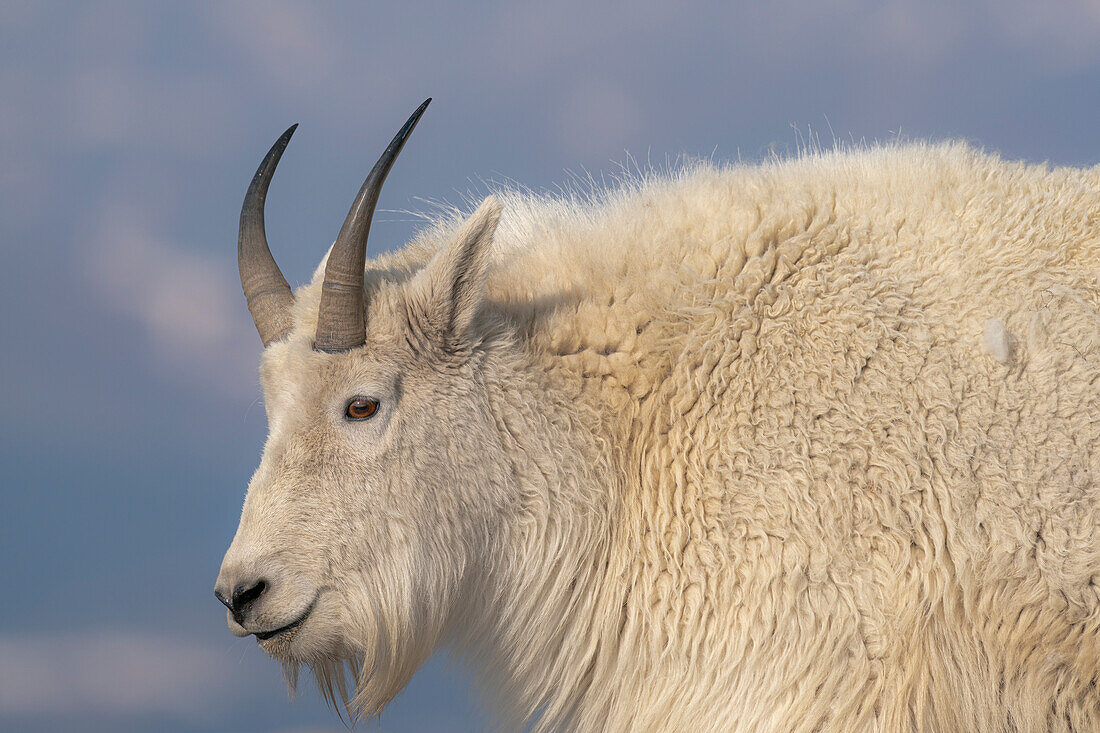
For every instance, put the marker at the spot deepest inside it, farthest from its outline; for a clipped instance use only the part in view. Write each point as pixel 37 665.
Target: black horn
pixel 341 320
pixel 266 290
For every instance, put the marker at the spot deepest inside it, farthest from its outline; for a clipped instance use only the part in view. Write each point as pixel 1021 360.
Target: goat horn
pixel 266 290
pixel 341 319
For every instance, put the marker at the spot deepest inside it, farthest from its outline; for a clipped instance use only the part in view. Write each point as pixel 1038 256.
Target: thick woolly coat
pixel 813 445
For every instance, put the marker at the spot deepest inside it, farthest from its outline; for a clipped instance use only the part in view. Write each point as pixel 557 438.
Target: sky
pixel 130 415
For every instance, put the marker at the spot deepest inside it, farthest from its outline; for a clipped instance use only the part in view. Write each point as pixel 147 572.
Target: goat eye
pixel 360 408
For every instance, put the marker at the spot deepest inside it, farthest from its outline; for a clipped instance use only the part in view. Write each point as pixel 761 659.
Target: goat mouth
pixel 265 635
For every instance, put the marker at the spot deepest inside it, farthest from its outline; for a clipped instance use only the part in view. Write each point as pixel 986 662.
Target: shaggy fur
pixel 808 446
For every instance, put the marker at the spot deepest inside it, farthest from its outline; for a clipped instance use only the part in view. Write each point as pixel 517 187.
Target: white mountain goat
pixel 813 445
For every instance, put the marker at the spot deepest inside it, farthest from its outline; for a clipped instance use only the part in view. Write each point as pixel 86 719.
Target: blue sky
pixel 130 419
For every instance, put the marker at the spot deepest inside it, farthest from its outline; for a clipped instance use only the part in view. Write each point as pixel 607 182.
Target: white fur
pixel 997 341
pixel 717 450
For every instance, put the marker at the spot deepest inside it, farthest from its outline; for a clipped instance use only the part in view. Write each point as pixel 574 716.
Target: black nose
pixel 243 595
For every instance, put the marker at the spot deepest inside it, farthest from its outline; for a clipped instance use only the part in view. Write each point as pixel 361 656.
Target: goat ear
pixel 446 294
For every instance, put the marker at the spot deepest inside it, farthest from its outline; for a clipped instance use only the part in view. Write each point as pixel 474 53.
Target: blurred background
pixel 130 419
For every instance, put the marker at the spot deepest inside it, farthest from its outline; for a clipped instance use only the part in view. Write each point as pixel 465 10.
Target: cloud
pixel 114 674
pixel 187 303
pixel 286 46
pixel 110 679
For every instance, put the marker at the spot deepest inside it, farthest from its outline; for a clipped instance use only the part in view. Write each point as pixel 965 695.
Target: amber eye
pixel 361 408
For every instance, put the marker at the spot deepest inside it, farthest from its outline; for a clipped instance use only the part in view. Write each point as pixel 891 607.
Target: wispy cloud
pixel 116 678
pixel 188 303
pixel 114 674
pixel 284 46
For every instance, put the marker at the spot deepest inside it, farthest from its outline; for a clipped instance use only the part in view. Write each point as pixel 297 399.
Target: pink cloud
pixel 113 673
pixel 187 303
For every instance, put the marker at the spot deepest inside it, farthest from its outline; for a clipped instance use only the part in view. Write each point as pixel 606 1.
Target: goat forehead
pixel 293 373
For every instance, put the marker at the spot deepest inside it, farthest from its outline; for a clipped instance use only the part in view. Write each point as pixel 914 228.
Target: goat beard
pixel 383 642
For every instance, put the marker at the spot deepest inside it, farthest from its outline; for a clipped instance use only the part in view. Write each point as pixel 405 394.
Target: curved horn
pixel 341 320
pixel 266 290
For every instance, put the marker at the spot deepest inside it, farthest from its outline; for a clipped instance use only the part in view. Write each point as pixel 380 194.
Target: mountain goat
pixel 813 445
